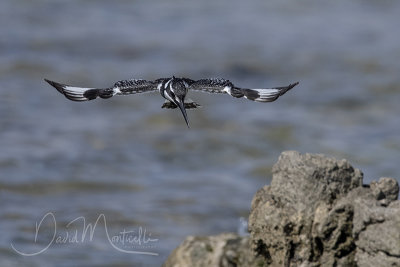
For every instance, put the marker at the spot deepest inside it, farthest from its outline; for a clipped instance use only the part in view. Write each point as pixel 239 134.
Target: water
pixel 139 166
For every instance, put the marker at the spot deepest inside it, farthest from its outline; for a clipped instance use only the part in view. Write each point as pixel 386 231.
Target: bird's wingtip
pixel 49 81
pixel 293 84
pixel 290 86
pixel 58 86
pixel 287 88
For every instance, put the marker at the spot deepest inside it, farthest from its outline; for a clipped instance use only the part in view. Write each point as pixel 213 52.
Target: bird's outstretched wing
pixel 225 86
pixel 123 87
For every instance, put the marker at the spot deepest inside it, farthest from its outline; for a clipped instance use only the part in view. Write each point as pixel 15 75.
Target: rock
pixel 304 180
pixel 316 212
pixel 377 232
pixel 221 250
pixel 297 222
pixel 386 190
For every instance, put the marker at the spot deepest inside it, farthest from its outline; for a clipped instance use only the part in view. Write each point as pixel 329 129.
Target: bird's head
pixel 180 90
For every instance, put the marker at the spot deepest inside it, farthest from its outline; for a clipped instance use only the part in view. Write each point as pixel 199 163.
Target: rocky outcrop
pixel 221 250
pixel 316 212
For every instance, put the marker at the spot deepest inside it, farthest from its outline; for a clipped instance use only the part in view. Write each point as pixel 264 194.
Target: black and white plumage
pixel 174 90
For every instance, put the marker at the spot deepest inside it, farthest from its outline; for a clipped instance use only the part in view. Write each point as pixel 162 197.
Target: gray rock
pixel 316 212
pixel 386 190
pixel 221 250
pixel 297 222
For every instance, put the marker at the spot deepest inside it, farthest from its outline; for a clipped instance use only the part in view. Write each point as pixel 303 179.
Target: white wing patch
pixel 75 93
pixel 227 89
pixel 116 91
pixel 266 94
pixel 76 89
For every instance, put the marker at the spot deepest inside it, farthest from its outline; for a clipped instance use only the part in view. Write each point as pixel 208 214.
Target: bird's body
pixel 173 89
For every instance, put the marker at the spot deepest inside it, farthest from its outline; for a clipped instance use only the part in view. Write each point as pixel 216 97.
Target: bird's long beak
pixel 181 106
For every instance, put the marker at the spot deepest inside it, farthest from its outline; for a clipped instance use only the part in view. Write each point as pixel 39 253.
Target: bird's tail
pixel 190 104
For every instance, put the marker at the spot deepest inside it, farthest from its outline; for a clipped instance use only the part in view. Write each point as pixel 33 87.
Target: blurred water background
pixel 139 165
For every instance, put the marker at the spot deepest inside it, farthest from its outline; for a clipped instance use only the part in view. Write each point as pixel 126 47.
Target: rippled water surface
pixel 136 166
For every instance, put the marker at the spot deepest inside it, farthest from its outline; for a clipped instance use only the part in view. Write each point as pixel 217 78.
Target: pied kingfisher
pixel 173 89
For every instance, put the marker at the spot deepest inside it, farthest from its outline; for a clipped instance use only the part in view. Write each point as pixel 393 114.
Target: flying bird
pixel 173 89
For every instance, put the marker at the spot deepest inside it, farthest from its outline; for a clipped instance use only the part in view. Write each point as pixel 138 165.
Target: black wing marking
pixel 214 85
pixel 135 86
pixel 219 85
pixel 120 88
